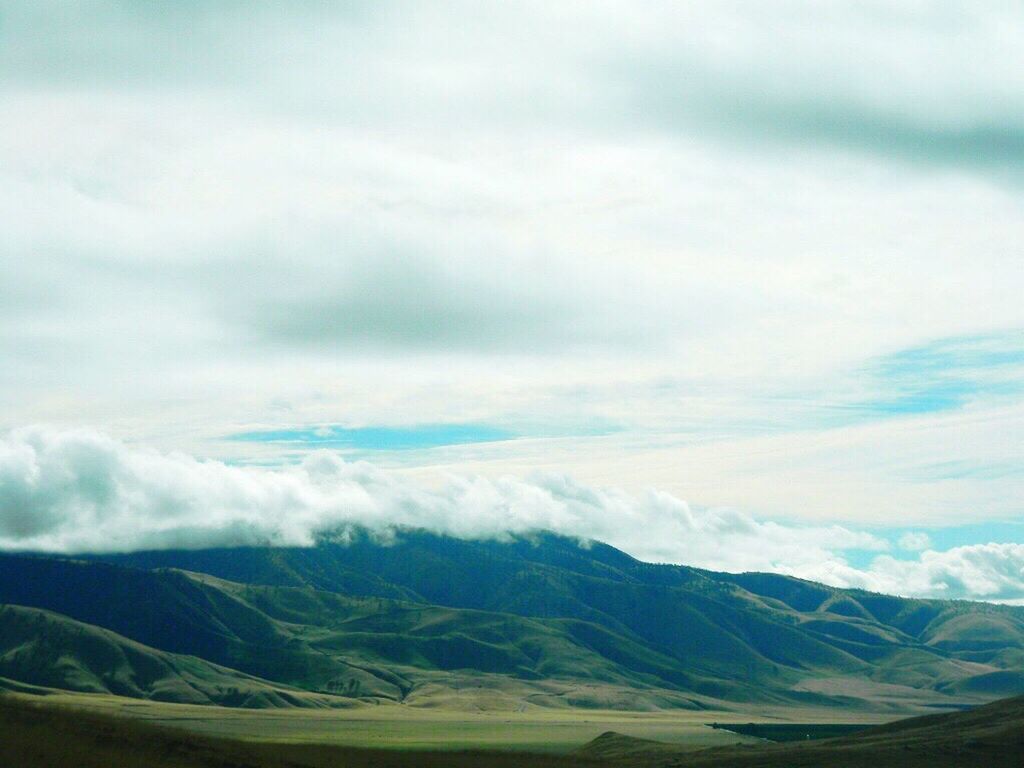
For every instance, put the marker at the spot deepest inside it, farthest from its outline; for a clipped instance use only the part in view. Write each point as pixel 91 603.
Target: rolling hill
pixel 43 649
pixel 539 620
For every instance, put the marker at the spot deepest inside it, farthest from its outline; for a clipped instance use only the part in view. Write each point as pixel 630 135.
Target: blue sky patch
pixel 946 374
pixel 405 438
pixel 939 539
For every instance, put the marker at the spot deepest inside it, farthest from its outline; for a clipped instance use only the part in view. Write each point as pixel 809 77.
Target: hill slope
pixel 332 644
pixel 45 649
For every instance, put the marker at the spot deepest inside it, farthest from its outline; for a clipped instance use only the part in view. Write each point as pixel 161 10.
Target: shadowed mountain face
pixel 395 620
pixel 47 650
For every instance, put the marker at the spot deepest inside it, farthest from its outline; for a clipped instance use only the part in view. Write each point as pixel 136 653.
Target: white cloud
pixel 668 220
pixel 70 491
pixel 79 490
pixel 915 541
pixel 992 571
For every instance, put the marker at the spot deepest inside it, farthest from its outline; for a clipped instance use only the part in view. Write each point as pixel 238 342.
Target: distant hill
pixel 426 616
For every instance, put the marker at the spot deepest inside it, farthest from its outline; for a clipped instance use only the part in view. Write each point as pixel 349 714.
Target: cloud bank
pixel 72 491
pixel 710 219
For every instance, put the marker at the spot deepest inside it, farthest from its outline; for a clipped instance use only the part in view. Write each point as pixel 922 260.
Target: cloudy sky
pixel 731 284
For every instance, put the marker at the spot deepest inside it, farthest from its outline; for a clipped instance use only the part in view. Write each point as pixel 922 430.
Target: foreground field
pixel 45 734
pixel 41 735
pixel 398 727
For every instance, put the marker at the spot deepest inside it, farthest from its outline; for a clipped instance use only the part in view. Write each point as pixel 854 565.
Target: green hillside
pixel 327 643
pixel 40 648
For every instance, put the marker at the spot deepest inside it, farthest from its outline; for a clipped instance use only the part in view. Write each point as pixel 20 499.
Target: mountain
pixel 347 647
pixel 537 620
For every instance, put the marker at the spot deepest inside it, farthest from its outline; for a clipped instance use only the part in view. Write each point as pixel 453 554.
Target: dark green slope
pixel 45 649
pixel 328 643
pixel 383 633
pixel 170 611
pixel 678 612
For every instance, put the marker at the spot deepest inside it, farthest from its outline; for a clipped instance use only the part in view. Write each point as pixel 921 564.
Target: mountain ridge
pixel 385 619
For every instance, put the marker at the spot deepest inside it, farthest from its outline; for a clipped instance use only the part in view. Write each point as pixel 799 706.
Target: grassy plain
pixel 35 732
pixel 404 727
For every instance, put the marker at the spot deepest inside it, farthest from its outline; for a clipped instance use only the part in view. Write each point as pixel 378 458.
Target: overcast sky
pixel 730 283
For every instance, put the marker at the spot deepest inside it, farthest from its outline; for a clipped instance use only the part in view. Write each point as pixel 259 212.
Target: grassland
pixel 48 733
pixel 43 734
pixel 395 726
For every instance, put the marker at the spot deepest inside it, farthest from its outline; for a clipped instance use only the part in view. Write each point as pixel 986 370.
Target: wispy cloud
pixel 948 373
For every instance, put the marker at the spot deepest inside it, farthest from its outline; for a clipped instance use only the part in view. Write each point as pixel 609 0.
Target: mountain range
pixel 540 620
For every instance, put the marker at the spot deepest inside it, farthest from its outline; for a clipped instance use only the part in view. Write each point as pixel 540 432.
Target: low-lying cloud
pixel 73 491
pixel 82 491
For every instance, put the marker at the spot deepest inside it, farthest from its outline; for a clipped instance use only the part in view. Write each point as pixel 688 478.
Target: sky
pixel 729 284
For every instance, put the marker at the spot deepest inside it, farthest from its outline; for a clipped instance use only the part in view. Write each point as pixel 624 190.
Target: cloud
pixel 915 541
pixel 933 83
pixel 487 179
pixel 81 491
pixel 993 572
pixel 69 491
pixel 704 219
pixel 385 295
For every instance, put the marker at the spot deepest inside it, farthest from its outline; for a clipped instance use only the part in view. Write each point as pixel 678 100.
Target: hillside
pixel 45 649
pixel 551 576
pixel 408 619
pixel 346 647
